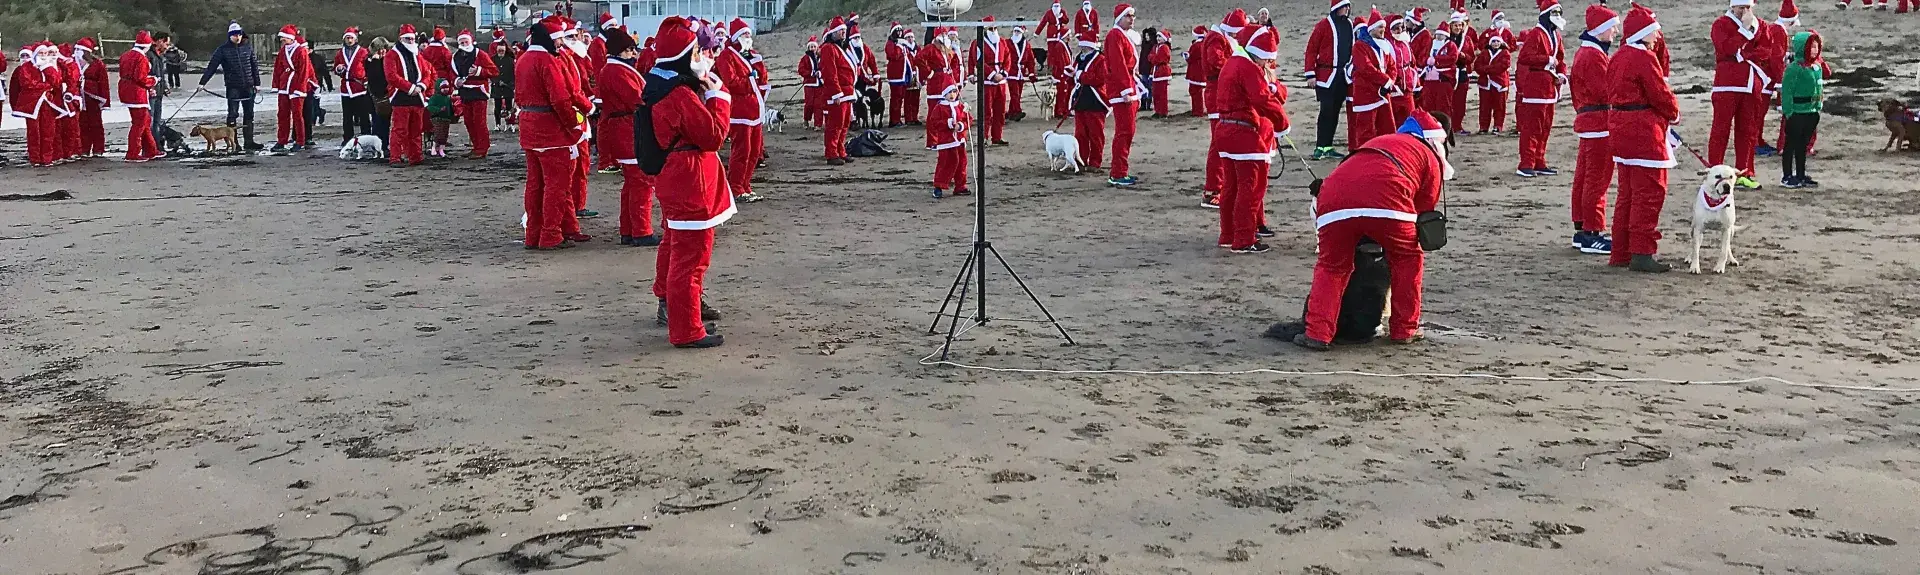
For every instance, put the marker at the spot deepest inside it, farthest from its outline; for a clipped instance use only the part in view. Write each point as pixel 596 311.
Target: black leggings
pixel 1333 102
pixel 356 112
pixel 1793 158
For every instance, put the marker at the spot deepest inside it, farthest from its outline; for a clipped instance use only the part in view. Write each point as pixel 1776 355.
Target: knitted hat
pixel 617 41
pixel 233 27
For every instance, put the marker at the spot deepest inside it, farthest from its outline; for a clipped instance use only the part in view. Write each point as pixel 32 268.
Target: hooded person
pixel 1251 104
pixel 688 112
pixel 33 95
pixel 1801 100
pixel 989 59
pixel 620 88
pixel 1543 68
pixel 1368 114
pixel 409 77
pixel 292 70
pixel 95 96
pixel 1218 45
pixel 356 106
pixel 474 72
pixel 903 79
pixel 1738 81
pixel 1328 56
pixel 1593 166
pixel 1123 90
pixel 947 125
pixel 1641 111
pixel 813 83
pixel 136 83
pixel 746 133
pixel 1377 194
pixel 552 124
pixel 438 55
pixel 837 84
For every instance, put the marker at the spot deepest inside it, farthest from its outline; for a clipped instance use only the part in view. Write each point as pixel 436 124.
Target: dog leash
pixel 1675 136
pixel 1313 187
pixel 183 105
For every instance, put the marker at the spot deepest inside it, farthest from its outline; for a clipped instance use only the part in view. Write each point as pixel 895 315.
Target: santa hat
pixel 556 26
pixel 439 34
pixel 1374 19
pixel 1418 13
pixel 1121 11
pixel 990 20
pixel 739 28
pixel 813 41
pixel 837 24
pixel 853 29
pixel 1338 4
pixel 233 27
pixel 607 21
pixel 289 32
pixel 300 39
pixel 1600 19
pixel 1235 20
pixel 499 34
pixel 949 89
pixel 465 35
pixel 1420 123
pixel 1459 16
pixel 1089 38
pixel 351 32
pixel 1548 5
pixel 1199 32
pixel 142 39
pixel 1262 43
pixel 1739 3
pixel 1639 25
pixel 85 44
pixel 1498 15
pixel 676 38
pixel 1789 14
pixel 896 27
pixel 406 31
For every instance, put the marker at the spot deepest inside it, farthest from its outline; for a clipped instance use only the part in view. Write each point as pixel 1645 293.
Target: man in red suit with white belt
pixel 551 127
pixel 1641 112
pixel 408 77
pixel 1737 83
pixel 136 83
pixel 292 70
pixel 744 129
pixel 1250 101
pixel 1543 69
pixel 1124 90
pixel 1593 166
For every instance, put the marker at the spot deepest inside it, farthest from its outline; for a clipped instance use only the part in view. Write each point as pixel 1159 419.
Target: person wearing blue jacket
pixel 241 68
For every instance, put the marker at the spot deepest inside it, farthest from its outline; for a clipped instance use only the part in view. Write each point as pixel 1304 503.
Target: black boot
pixel 1646 263
pixel 660 317
pixel 1313 344
pixel 712 340
pixel 707 313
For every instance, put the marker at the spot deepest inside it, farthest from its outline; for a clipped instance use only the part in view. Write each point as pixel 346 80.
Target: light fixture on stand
pixel 973 273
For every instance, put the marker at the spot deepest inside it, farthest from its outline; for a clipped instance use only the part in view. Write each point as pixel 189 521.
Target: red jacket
pixel 996 61
pixel 933 71
pixel 837 74
pixel 1642 109
pixel 350 63
pixel 737 73
pixel 1494 66
pixel 583 71
pixel 540 83
pixel 1060 60
pixel 901 70
pixel 1053 27
pixel 475 79
pixel 1090 75
pixel 93 85
pixel 692 187
pixel 1771 52
pixel 292 71
pixel 1162 61
pixel 1369 185
pixel 1368 73
pixel 1440 64
pixel 596 57
pixel 70 87
pixel 1734 51
pixel 620 88
pixel 947 125
pixel 1419 50
pixel 1251 112
pixel 1468 44
pixel 760 76
pixel 1323 55
pixel 811 71
pixel 135 78
pixel 1542 62
pixel 1025 67
pixel 1123 63
pixel 31 90
pixel 410 78
pixel 1588 82
pixel 440 58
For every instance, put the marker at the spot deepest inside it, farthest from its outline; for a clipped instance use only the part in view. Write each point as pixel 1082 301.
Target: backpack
pixel 647 151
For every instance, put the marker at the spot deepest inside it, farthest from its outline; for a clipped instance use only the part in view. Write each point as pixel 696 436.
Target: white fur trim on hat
pixel 1735 3
pixel 1642 35
pixel 1603 27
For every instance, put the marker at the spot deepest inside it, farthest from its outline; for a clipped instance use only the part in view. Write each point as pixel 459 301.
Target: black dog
pixel 868 144
pixel 870 108
pixel 1361 307
pixel 174 142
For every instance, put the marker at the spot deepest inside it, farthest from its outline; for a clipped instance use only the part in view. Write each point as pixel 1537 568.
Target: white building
pixel 640 16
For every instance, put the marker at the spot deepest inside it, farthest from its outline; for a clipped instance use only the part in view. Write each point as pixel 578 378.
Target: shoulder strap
pixel 1405 172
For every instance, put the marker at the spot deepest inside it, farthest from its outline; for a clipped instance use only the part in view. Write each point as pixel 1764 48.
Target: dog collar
pixel 1713 204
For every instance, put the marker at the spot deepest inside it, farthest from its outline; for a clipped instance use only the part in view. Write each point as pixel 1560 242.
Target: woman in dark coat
pixel 377 84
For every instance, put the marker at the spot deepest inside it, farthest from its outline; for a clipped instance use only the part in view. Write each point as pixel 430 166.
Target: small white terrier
pixel 1713 207
pixel 1063 151
pixel 362 148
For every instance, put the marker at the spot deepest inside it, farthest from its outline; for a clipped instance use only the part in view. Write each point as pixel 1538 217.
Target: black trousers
pixel 237 105
pixel 502 104
pixel 1333 102
pixel 356 111
pixel 310 115
pixel 1793 158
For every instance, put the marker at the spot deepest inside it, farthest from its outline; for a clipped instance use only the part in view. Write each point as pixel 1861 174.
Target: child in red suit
pixel 947 128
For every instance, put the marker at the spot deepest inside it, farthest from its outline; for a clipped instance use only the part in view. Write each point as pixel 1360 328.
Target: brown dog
pixel 1903 126
pixel 217 133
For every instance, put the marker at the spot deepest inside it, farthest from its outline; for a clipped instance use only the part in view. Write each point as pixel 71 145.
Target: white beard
pixel 466 47
pixel 1558 21
pixel 44 62
pixel 579 48
pixel 993 37
pixel 1440 150
pixel 746 44
pixel 1402 37
pixel 701 67
pixel 1133 36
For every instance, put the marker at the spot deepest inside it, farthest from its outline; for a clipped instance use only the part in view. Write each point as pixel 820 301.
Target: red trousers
pixel 1216 166
pixel 913 105
pixel 897 99
pixel 1402 106
pixel 950 169
pixel 679 271
pixel 1090 128
pixel 140 143
pixel 1160 104
pixel 813 106
pixel 1592 173
pixel 1459 109
pixel 996 112
pixel 838 118
pixel 1438 98
pixel 1199 96
pixel 747 149
pixel 70 144
pixel 1015 90
pixel 636 200
pixel 582 166
pixel 474 114
pixel 1493 110
pixel 404 134
pixel 1636 213
pixel 43 138
pixel 1126 116
pixel 1335 267
pixel 93 133
pixel 1062 98
pixel 293 122
pixel 549 198
pixel 1243 202
pixel 1536 123
pixel 1734 115
pixel 1364 126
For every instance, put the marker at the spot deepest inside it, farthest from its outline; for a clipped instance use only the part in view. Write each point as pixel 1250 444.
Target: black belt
pixel 619 115
pixel 536 108
pixel 1593 108
pixel 1632 108
pixel 685 148
pixel 1237 123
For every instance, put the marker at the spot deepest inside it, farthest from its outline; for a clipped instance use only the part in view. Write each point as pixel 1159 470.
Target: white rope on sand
pixel 930 361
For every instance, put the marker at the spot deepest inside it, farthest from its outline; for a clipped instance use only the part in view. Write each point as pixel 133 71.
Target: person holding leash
pixel 1250 100
pixel 476 72
pixel 240 71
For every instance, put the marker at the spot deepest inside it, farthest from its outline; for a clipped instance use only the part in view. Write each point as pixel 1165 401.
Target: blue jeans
pixel 153 104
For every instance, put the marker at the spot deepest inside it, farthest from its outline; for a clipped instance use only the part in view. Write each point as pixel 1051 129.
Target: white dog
pixel 362 148
pixel 1713 207
pixel 774 121
pixel 1063 149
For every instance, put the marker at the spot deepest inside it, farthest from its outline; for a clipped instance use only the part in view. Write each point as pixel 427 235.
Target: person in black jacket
pixel 241 71
pixel 377 88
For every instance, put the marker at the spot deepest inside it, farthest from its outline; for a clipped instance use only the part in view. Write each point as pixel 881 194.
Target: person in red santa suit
pixel 620 87
pixel 1196 63
pixel 988 60
pixel 1377 194
pixel 356 106
pixel 1543 68
pixel 1737 83
pixel 1406 82
pixel 947 124
pixel 136 83
pixel 95 98
pixel 902 78
pixel 1124 90
pixel 1250 101
pixel 1218 45
pixel 573 53
pixel 1494 63
pixel 837 85
pixel 1160 59
pixel 552 122
pixel 1086 30
pixel 1368 114
pixel 1466 42
pixel 6 99
pixel 1643 111
pixel 1090 103
pixel 1023 68
pixel 813 84
pixel 934 72
pixel 438 55
pixel 292 69
pixel 408 78
pixel 596 60
pixel 475 82
pixel 71 144
pixel 690 116
pixel 1059 51
pixel 597 45
pixel 1773 63
pixel 32 95
pixel 1440 68
pixel 1420 43
pixel 1593 166
pixel 745 133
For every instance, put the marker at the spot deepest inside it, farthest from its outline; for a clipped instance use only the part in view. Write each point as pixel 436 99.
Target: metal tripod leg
pixel 958 279
pixel 953 329
pixel 1030 295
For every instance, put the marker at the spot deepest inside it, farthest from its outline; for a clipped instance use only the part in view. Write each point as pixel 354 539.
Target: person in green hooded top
pixel 1800 101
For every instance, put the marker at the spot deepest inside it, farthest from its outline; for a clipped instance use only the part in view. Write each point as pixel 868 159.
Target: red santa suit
pixel 1543 67
pixel 1642 112
pixel 1023 68
pixel 1215 48
pixel 438 56
pixel 1467 43
pixel 1772 56
pixel 409 77
pixel 292 71
pixel 947 126
pixel 571 54
pixel 1376 194
pixel 71 144
pixel 692 190
pixel 1250 104
pixel 1440 70
pixel 1406 79
pixel 1737 83
pixel 903 77
pixel 990 61
pixel 1123 91
pixel 1053 28
pixel 1419 58
pixel 476 72
pixel 1196 64
pixel 744 129
pixel 32 95
pixel 620 91
pixel 1367 112
pixel 1086 25
pixel 96 98
pixel 1162 62
pixel 1494 63
pixel 551 127
pixel 1593 166
pixel 813 82
pixel 1090 107
pixel 136 80
pixel 838 78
